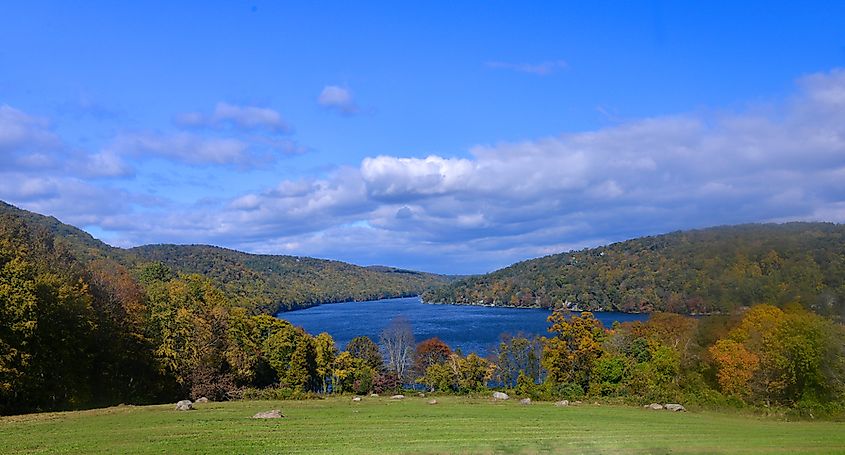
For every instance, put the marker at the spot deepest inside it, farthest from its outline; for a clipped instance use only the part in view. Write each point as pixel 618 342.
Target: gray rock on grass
pixel 675 407
pixel 184 405
pixel 500 396
pixel 654 406
pixel 525 401
pixel 562 403
pixel 273 414
pixel 398 397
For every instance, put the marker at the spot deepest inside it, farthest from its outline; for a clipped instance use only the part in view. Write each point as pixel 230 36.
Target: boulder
pixel 525 401
pixel 184 405
pixel 398 397
pixel 562 403
pixel 356 399
pixel 654 406
pixel 374 395
pixel 432 401
pixel 274 414
pixel 201 400
pixel 576 402
pixel 675 407
pixel 421 395
pixel 500 396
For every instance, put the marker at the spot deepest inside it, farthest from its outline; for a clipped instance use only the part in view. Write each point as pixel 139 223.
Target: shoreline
pixel 484 305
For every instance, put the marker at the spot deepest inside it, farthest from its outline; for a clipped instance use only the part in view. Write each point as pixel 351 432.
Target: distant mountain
pixel 697 271
pixel 266 283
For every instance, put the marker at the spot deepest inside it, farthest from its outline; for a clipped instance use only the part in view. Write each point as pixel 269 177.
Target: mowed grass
pixel 380 425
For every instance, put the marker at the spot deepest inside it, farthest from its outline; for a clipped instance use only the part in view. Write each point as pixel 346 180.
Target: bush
pixel 567 391
pixel 278 393
pixel 525 386
pixel 386 382
pixel 813 409
pixel 363 383
pixel 213 385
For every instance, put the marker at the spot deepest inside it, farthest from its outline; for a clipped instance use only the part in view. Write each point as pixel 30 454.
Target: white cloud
pixel 509 201
pixel 239 117
pixel 339 99
pixel 21 131
pixel 188 148
pixel 28 144
pixel 514 200
pixel 106 164
pixel 540 69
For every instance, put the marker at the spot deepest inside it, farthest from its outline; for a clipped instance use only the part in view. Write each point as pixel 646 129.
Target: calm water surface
pixel 470 328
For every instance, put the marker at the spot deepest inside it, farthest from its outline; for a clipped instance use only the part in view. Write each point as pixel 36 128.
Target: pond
pixel 468 328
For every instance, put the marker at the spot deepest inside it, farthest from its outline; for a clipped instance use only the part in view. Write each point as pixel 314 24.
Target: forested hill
pixel 708 270
pixel 292 280
pixel 264 283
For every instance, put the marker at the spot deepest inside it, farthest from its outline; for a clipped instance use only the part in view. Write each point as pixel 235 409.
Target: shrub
pixel 277 393
pixel 567 391
pixel 525 386
pixel 386 382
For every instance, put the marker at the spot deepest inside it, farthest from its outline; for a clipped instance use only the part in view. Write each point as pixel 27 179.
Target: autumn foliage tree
pixel 430 352
pixel 364 348
pixel 736 366
pixel 569 355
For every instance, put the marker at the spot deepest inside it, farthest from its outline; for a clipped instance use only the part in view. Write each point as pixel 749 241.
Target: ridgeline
pixel 699 271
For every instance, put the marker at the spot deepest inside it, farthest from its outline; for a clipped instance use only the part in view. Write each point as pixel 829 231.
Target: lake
pixel 469 328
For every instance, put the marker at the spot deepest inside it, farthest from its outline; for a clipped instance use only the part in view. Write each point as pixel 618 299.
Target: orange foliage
pixel 736 366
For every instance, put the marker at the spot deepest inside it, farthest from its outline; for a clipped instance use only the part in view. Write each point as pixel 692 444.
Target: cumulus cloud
pixel 510 201
pixel 238 117
pixel 29 144
pixel 20 131
pixel 187 148
pixel 338 99
pixel 539 69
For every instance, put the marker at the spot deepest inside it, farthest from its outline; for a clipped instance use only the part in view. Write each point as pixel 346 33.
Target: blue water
pixel 468 328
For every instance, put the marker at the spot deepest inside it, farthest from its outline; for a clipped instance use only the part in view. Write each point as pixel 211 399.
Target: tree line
pixel 692 272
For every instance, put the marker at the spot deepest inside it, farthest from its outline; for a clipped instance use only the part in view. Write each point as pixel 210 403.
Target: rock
pixel 201 400
pixel 432 401
pixel 374 395
pixel 421 395
pixel 184 405
pixel 274 414
pixel 397 397
pixel 562 403
pixel 674 407
pixel 577 402
pixel 356 399
pixel 654 406
pixel 525 401
pixel 500 396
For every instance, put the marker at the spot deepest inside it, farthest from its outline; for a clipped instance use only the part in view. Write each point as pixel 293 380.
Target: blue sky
pixel 454 137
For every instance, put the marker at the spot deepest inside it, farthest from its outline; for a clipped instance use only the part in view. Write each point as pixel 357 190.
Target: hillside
pixel 280 282
pixel 265 283
pixel 708 270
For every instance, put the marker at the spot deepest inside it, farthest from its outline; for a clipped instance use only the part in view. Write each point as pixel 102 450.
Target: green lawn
pixel 379 425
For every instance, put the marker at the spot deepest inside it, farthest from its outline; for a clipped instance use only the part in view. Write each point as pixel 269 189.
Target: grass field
pixel 379 425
